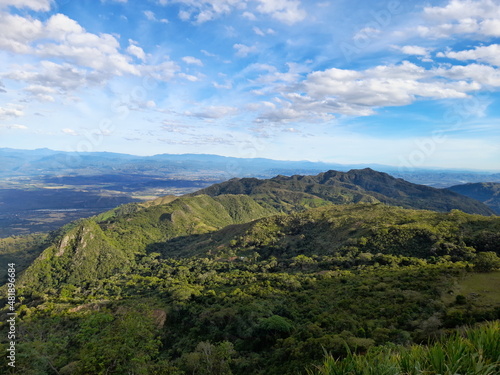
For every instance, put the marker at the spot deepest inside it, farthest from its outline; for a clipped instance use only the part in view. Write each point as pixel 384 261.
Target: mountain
pixel 109 243
pixel 486 192
pixel 340 230
pixel 53 164
pixel 264 281
pixel 365 185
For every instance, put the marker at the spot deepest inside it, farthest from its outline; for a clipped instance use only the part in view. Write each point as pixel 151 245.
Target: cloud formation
pixel 488 54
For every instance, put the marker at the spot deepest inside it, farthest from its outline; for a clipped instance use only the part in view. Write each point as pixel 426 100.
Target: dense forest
pixel 274 278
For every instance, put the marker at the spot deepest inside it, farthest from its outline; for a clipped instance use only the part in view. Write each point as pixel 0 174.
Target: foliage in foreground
pixel 475 351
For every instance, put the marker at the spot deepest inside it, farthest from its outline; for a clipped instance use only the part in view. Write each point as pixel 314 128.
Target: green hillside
pixel 365 185
pixel 486 192
pixel 274 280
pixel 109 243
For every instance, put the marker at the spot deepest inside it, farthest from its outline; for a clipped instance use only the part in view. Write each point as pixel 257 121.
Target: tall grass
pixel 474 351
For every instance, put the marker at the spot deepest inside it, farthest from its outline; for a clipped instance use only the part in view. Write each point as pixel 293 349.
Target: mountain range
pixel 214 168
pixel 253 276
pixel 110 241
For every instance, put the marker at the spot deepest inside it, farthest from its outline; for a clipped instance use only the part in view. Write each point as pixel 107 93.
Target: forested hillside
pixel 256 277
pixel 357 185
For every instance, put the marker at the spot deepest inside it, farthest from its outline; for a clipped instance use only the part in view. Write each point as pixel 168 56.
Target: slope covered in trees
pixel 357 185
pixel 262 282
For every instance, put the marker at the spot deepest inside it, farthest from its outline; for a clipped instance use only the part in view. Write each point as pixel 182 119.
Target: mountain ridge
pixel 356 185
pixel 486 192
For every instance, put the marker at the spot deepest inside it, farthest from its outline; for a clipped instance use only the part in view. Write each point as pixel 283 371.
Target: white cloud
pixel 136 51
pixel 201 11
pixel 48 74
pixel 258 31
pixel 152 17
pixel 14 126
pixel 414 50
pixel 214 112
pixel 488 54
pixel 324 94
pixel 367 32
pixel 10 112
pixel 38 5
pixel 192 60
pixel 62 37
pixel 243 50
pixel 261 32
pixel 481 74
pixel 287 11
pixel 41 93
pixel 162 72
pixel 249 16
pixel 189 77
pixel 479 17
pixel 71 57
pixel 227 85
pixel 69 131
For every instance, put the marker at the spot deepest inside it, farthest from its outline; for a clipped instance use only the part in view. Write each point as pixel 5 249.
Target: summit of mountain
pixel 357 185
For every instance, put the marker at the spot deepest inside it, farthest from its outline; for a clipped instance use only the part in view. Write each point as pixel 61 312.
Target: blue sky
pixel 404 83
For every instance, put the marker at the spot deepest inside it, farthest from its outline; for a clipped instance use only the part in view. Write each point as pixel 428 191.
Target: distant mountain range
pixel 45 162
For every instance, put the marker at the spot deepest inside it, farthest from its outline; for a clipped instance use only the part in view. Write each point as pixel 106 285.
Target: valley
pixel 41 190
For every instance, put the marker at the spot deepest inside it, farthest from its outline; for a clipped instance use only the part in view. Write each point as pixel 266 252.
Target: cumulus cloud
pixel 481 74
pixel 48 74
pixel 480 17
pixel 71 57
pixel 62 37
pixel 324 94
pixel 41 93
pixel 488 54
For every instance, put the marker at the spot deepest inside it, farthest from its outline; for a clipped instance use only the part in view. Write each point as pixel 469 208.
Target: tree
pixel 486 261
pixel 210 359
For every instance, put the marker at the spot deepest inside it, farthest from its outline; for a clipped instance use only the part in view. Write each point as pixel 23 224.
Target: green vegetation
pixel 22 250
pixel 261 285
pixel 473 351
pixel 355 186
